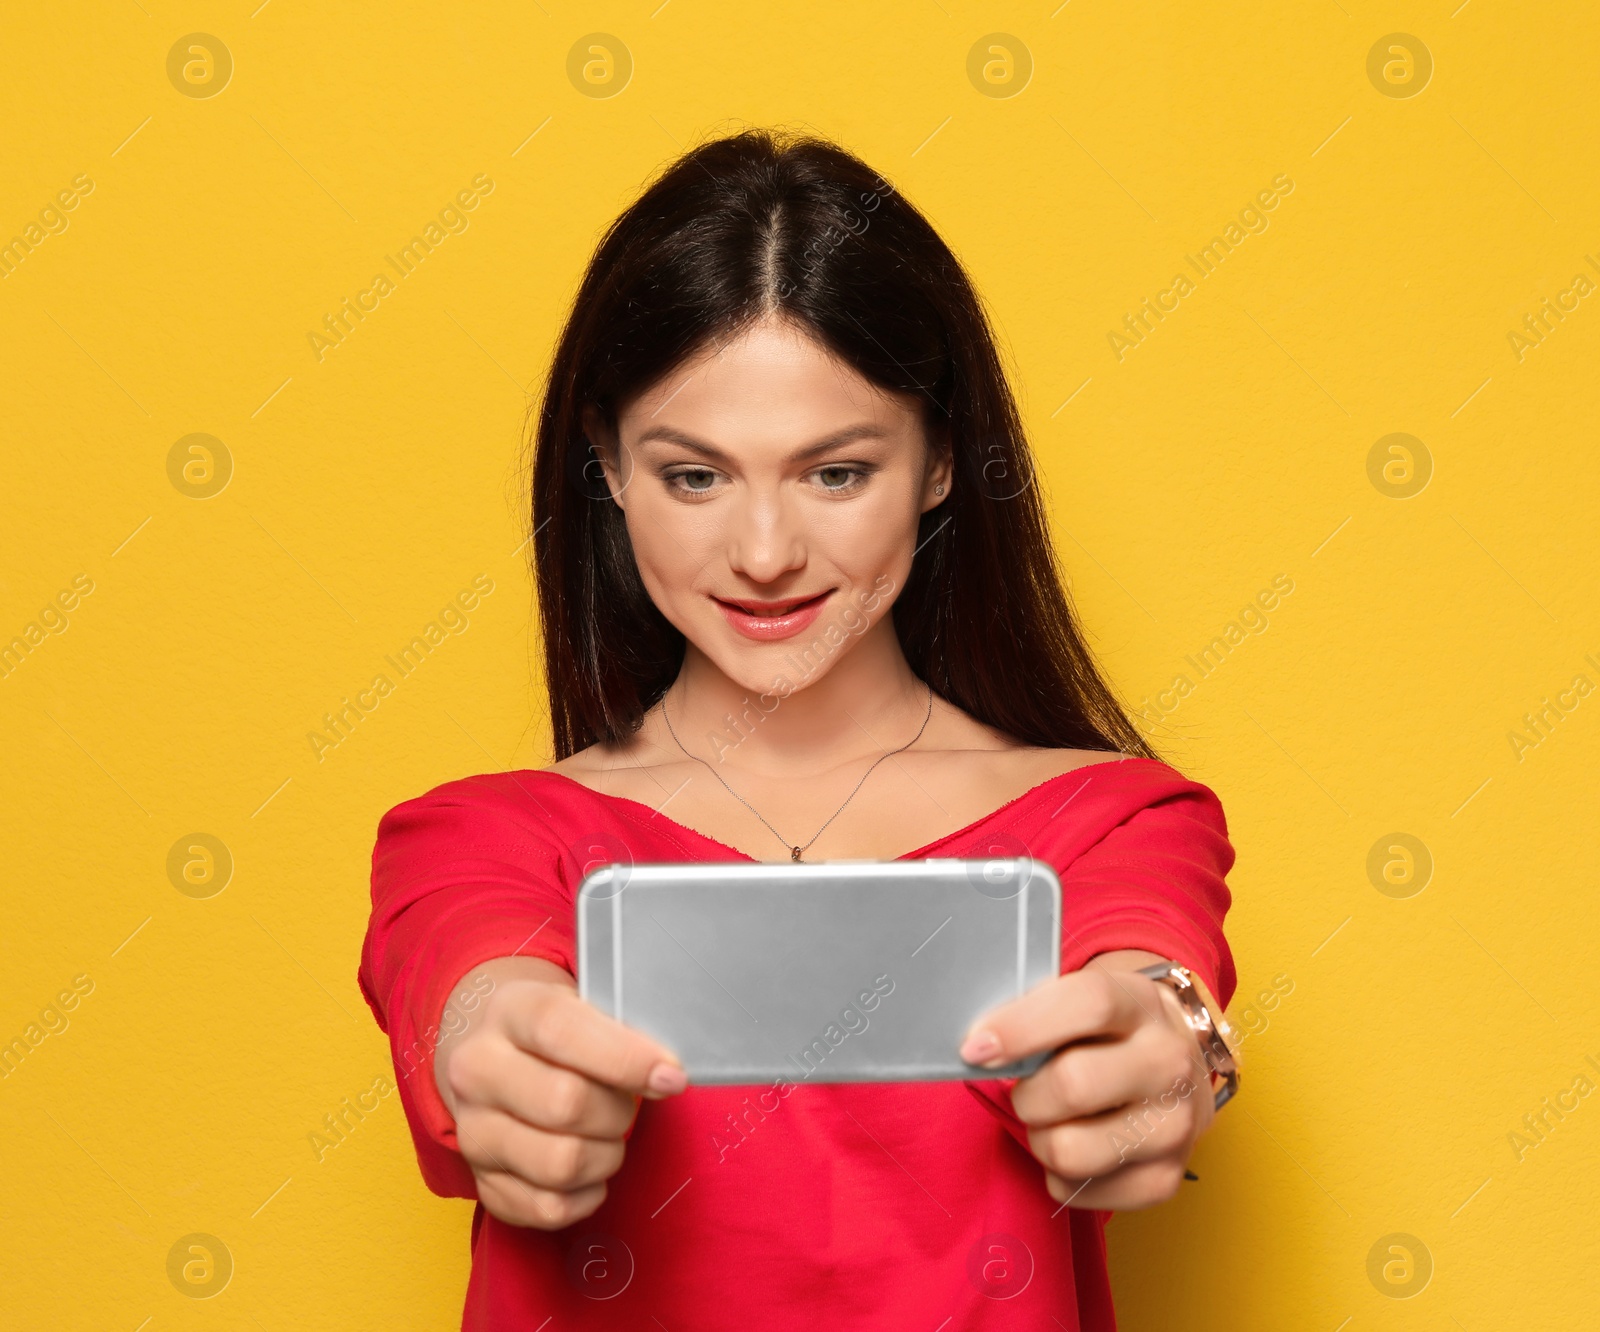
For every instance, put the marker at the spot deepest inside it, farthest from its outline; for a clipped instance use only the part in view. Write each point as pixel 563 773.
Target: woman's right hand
pixel 544 1088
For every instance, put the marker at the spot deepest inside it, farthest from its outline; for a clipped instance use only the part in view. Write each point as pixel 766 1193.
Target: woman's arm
pixel 471 872
pixel 1125 959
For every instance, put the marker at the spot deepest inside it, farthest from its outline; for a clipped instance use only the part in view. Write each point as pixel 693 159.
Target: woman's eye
pixel 699 479
pixel 836 478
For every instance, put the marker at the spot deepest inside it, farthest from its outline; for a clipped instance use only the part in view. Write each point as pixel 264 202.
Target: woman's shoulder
pixel 1108 772
pixel 1003 764
pixel 595 768
pixel 1082 795
pixel 530 800
pixel 527 819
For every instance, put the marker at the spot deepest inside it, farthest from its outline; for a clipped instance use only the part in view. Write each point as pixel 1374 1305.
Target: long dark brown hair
pixel 765 223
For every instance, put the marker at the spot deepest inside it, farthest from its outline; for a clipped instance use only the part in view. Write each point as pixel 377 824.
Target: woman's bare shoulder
pixel 1006 756
pixel 1027 766
pixel 580 765
pixel 975 768
pixel 637 770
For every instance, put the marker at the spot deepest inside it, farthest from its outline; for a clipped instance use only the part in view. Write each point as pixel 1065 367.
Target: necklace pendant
pixel 794 853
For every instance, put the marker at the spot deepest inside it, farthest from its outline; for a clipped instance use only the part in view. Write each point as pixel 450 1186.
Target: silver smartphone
pixel 839 971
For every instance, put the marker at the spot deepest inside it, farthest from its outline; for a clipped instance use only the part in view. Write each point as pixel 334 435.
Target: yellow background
pixel 369 486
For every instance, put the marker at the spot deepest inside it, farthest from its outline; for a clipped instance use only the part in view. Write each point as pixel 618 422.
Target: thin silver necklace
pixel 795 851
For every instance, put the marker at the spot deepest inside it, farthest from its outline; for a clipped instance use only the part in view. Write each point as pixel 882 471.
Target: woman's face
pixel 772 495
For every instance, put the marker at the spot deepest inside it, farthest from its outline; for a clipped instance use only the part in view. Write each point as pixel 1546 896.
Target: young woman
pixel 798 602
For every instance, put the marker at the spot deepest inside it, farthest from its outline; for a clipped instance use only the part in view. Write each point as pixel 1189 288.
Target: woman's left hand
pixel 1114 1115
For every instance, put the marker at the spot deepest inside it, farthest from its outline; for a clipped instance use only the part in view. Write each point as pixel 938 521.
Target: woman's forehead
pixel 771 379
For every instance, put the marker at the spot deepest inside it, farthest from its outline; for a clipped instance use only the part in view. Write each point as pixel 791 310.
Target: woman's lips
pixel 791 619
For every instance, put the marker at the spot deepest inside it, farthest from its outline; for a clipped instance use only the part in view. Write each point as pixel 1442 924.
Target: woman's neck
pixel 813 716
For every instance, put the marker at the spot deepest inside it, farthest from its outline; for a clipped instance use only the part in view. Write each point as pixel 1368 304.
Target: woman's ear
pixel 603 440
pixel 939 473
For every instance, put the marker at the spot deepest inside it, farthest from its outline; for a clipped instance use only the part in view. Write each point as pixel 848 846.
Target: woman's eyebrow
pixel 846 435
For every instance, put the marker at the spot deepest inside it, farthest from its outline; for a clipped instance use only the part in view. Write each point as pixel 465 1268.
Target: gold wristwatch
pixel 1219 1043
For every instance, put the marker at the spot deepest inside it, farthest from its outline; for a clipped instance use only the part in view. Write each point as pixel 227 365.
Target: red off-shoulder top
pixel 881 1206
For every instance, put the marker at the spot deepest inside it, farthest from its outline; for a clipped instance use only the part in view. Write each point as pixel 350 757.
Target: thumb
pixel 563 1029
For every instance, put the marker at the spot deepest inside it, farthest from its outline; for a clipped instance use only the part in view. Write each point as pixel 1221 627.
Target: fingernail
pixel 668 1079
pixel 980 1047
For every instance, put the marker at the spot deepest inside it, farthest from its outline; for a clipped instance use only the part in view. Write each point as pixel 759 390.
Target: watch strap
pixel 1204 1017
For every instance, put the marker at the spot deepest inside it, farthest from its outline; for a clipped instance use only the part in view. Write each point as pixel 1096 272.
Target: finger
pixel 1074 1007
pixel 513 1199
pixel 555 1024
pixel 558 1162
pixel 499 1075
pixel 1140 1184
pixel 519 1203
pixel 1100 1144
pixel 1088 1079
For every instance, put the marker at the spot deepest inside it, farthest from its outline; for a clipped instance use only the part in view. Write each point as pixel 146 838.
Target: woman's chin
pixel 762 671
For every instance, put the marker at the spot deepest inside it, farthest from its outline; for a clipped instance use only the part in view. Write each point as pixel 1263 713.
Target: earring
pixel 939 489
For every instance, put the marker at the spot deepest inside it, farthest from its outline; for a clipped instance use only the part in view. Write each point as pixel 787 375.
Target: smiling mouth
pixel 768 621
pixel 772 609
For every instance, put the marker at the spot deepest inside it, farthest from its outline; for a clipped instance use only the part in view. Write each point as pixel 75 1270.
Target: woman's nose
pixel 765 540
